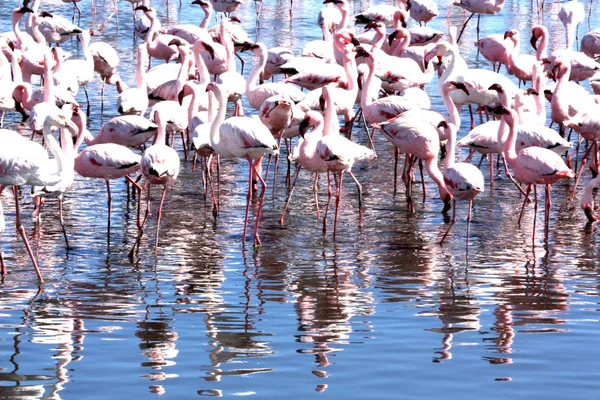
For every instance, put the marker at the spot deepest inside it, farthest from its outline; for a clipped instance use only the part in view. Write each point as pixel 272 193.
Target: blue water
pixel 380 313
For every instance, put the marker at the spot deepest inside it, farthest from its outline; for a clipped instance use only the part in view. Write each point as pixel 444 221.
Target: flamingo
pixel 306 155
pixel 234 81
pixel 423 11
pixel 126 130
pixel 54 28
pixel 106 61
pixel 519 65
pixel 83 70
pixel 533 166
pixel 158 44
pixel 571 14
pixel 495 49
pixel 160 166
pixel 134 101
pixel 463 180
pixel 24 162
pixel 339 154
pixel 257 94
pixel 40 193
pixel 47 106
pixel 242 137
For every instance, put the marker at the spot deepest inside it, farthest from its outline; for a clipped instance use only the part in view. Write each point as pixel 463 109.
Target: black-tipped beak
pixel 391 37
pixel 447 204
pixel 533 42
pixel 322 103
pixel 142 8
pixel 303 127
pixel 497 88
pixel 461 86
pixel 589 213
pixel 25 9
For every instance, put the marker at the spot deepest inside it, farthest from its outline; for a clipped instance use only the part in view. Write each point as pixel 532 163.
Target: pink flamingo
pixel 126 130
pixel 257 94
pixel 423 11
pixel 382 13
pixel 340 154
pixel 519 65
pixel 134 101
pixel 306 155
pixel 463 180
pixel 276 114
pixel 533 166
pixel 191 33
pixel 160 166
pixel 571 14
pixel 24 162
pixel 242 137
pixel 158 44
pixel 56 29
pixel 495 49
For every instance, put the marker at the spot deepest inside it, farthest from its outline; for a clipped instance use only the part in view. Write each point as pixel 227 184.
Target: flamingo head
pixel 532 91
pixel 401 32
pixel 304 125
pixel 362 52
pixel 589 213
pixel 233 18
pixel 333 2
pixel 143 8
pixel 176 42
pixel 45 14
pixel 446 198
pixel 510 33
pixel 202 4
pixel 402 17
pixel 536 33
pixel 496 87
pixel 375 25
pixel 208 48
pixel 454 85
pixel 408 5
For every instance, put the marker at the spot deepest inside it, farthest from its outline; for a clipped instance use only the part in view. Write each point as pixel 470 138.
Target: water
pixel 380 313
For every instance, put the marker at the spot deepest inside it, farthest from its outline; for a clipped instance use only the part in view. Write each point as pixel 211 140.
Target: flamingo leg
pixel 338 199
pixel 110 203
pixel 138 188
pixel 469 220
pixel 248 198
pixel 583 162
pixel 360 201
pixel 451 222
pixel 422 180
pixel 21 231
pixel 463 27
pixel 62 222
pixel 159 216
pixel 141 227
pixel 260 201
pixel 523 206
pixel 316 193
pixel 534 214
pixel 547 206
pixel 396 155
pixel 287 202
pixel 329 193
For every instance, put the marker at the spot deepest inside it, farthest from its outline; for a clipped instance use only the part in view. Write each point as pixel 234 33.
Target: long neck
pixel 226 39
pixel 436 175
pixel 24 89
pixel 509 145
pixel 351 71
pixel 48 83
pixel 193 107
pixel 327 36
pixel 402 44
pixel 35 31
pixel 344 20
pixel 251 83
pixel 451 147
pixel 141 73
pixel 183 73
pixel 329 123
pixel 216 124
pixel 53 177
pixel 540 99
pixel 379 38
pixel 85 43
pixel 16 70
pixel 16 30
pixel 541 50
pixel 453 114
pixel 154 27
pixel 203 75
pixel 207 15
pixel 365 97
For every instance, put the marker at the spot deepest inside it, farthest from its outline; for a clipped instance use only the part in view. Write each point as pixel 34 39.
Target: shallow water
pixel 382 312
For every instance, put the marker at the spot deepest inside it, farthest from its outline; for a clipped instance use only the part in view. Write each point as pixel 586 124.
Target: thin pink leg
pixel 287 202
pixel 110 203
pixel 141 227
pixel 360 208
pixel 138 188
pixel 524 202
pixel 583 161
pixel 451 223
pixel 534 213
pixel 338 199
pixel 329 193
pixel 316 192
pixel 260 201
pixel 162 200
pixel 248 198
pixel 23 235
pixel 396 155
